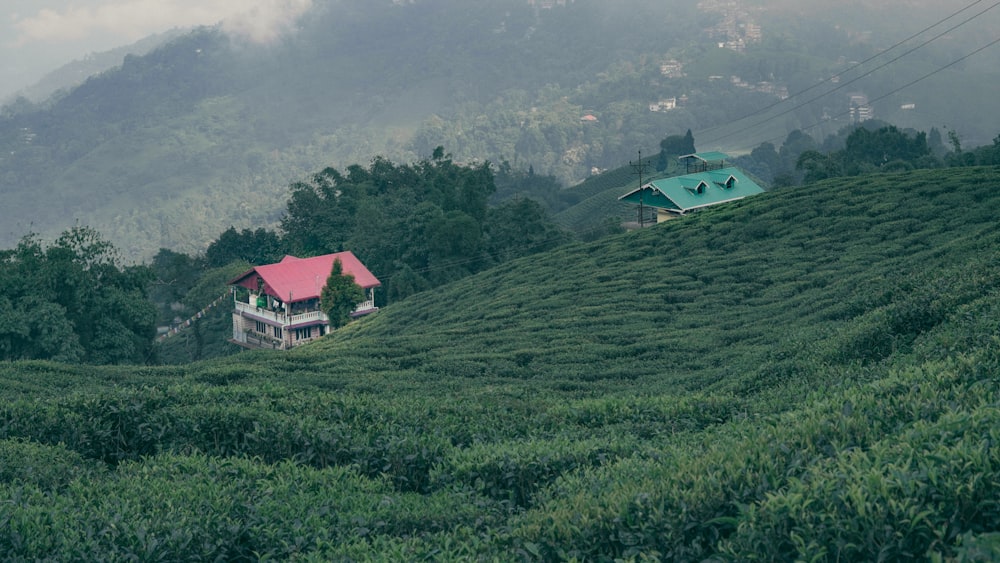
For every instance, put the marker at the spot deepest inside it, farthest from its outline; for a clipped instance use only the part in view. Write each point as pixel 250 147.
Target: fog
pixel 41 35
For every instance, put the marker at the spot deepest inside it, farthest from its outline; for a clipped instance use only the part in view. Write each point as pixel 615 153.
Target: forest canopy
pixel 73 301
pixel 417 225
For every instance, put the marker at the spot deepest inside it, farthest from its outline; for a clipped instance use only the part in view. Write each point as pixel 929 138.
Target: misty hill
pixel 208 131
pixel 76 72
pixel 807 373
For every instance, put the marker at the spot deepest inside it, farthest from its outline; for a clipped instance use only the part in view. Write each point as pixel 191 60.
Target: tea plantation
pixel 809 374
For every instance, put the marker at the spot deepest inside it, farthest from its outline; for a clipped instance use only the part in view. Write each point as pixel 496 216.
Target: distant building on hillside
pixel 708 181
pixel 664 104
pixel 860 109
pixel 672 69
pixel 276 306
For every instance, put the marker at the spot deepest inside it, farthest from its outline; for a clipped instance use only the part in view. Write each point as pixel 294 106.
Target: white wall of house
pixel 265 328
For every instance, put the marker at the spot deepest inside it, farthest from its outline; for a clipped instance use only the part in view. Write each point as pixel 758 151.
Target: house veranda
pixel 277 306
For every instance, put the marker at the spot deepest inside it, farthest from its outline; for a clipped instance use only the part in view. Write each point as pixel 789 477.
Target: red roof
pixel 301 279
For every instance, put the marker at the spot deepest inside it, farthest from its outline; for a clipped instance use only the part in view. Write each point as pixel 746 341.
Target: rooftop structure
pixel 710 183
pixel 278 305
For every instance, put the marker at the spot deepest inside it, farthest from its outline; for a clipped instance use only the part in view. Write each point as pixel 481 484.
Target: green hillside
pixel 170 148
pixel 599 208
pixel 810 373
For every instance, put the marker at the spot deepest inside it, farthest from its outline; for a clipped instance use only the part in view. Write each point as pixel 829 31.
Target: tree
pixel 935 143
pixel 174 274
pixel 73 302
pixel 547 190
pixel 767 155
pixel 256 247
pixel 520 227
pixel 675 145
pixel 817 166
pixel 795 144
pixel 321 213
pixel 884 145
pixel 340 296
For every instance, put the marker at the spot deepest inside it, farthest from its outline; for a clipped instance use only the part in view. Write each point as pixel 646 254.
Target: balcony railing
pixel 364 308
pixel 281 319
pixel 276 317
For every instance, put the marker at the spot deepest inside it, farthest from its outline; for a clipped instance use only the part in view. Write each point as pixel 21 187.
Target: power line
pixel 469 260
pixel 911 83
pixel 857 78
pixel 849 69
pixel 638 168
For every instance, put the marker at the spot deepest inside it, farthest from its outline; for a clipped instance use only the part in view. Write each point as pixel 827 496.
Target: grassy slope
pixel 599 199
pixel 809 372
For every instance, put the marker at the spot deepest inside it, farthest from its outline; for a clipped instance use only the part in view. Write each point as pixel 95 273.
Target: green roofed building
pixel 713 183
pixel 702 161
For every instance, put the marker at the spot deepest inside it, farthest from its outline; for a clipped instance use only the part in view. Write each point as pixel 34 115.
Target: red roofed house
pixel 282 310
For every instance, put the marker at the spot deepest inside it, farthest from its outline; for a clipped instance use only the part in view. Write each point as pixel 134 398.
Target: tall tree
pixel 520 227
pixel 674 146
pixel 882 146
pixel 340 296
pixel 72 301
pixel 257 247
pixel 321 213
pixel 424 214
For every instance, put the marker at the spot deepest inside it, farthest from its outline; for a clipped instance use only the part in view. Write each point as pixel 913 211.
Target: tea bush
pixel 809 373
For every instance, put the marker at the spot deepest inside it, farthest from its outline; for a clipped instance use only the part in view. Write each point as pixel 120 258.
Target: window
pixel 261 327
pixel 301 333
pixel 277 331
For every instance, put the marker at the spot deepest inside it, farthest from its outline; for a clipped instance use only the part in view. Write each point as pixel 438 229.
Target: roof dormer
pixel 729 184
pixel 697 189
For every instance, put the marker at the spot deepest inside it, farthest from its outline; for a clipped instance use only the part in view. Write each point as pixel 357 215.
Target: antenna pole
pixel 638 168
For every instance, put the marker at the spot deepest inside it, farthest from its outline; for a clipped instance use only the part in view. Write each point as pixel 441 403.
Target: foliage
pixel 674 146
pixel 72 301
pixel 809 373
pixel 174 274
pixel 869 147
pixel 207 337
pixel 256 247
pixel 207 130
pixel 512 184
pixel 415 225
pixel 340 296
pixel 520 227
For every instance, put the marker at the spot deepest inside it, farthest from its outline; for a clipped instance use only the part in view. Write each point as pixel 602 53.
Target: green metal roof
pixel 693 191
pixel 712 156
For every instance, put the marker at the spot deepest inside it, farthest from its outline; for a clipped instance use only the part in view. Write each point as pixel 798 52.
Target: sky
pixel 38 36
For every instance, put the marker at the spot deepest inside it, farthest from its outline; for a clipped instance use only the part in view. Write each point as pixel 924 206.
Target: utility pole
pixel 638 168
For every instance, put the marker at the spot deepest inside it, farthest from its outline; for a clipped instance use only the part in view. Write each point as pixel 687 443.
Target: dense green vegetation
pixel 340 296
pixel 810 373
pixel 206 131
pixel 868 148
pixel 419 225
pixel 416 226
pixel 73 301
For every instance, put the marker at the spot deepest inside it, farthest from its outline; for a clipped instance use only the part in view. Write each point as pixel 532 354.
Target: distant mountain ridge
pixel 207 131
pixel 76 72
